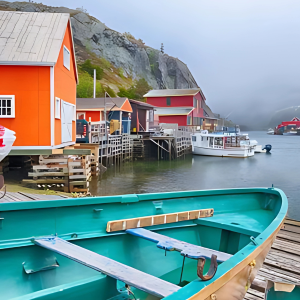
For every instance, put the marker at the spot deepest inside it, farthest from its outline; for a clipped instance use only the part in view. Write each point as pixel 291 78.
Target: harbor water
pixel 280 168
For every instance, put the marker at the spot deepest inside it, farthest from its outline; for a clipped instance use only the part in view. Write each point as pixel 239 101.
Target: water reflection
pixel 281 168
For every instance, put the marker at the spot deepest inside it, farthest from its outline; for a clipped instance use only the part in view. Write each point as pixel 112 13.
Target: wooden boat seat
pixel 170 244
pixel 133 277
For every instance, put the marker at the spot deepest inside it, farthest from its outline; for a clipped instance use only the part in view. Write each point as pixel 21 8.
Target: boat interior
pixel 97 248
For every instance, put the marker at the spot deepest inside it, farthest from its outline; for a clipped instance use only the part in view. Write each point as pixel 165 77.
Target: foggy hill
pixel 128 58
pixel 286 114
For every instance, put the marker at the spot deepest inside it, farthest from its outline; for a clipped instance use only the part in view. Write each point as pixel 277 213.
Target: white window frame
pixel 74 112
pixel 57 108
pixel 80 113
pixel 13 107
pixel 68 66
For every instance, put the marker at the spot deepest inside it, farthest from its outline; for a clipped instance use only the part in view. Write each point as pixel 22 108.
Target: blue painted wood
pixel 170 244
pixel 133 277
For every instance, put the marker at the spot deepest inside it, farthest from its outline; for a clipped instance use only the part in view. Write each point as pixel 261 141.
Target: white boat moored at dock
pixel 224 145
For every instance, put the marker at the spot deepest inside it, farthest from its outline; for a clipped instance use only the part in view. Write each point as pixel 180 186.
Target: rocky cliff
pixel 123 51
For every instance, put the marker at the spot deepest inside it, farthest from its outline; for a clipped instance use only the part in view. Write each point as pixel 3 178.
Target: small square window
pixel 57 108
pixel 168 101
pixel 7 106
pixel 81 116
pixel 67 58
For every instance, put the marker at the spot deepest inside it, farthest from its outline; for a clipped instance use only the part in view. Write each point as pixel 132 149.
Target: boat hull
pixel 238 215
pixel 236 288
pixel 237 152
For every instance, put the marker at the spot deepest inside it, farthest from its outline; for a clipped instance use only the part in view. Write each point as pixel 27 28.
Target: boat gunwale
pixel 40 204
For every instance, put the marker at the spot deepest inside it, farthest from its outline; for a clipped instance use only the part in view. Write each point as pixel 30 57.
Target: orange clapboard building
pixel 38 77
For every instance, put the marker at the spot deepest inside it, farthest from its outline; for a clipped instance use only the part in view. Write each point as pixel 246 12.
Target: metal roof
pixel 172 92
pixel 31 37
pixel 167 111
pixel 142 104
pixel 98 103
pixel 208 114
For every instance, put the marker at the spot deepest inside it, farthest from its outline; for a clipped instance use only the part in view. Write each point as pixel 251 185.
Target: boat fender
pixel 212 269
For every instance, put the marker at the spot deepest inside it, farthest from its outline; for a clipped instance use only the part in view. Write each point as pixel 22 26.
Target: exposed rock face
pixel 136 59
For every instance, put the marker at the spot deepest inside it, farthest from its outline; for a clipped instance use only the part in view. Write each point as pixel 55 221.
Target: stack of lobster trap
pixel 68 173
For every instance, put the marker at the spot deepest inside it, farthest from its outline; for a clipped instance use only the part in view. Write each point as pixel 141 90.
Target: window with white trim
pixel 67 58
pixel 81 116
pixel 57 108
pixel 7 106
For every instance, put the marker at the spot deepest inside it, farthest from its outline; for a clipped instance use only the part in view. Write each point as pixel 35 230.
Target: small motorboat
pixel 222 144
pixel 177 245
pixel 270 131
pixel 257 148
pixel 7 138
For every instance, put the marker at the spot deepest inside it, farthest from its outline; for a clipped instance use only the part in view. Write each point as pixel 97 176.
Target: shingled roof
pixel 31 38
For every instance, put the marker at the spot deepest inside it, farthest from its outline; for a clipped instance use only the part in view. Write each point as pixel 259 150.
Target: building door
pixel 67 114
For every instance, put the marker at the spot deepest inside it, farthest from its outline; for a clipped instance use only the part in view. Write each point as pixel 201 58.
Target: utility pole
pixel 94 83
pixel 105 115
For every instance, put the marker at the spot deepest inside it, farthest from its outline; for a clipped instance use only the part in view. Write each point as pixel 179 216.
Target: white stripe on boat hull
pixel 229 152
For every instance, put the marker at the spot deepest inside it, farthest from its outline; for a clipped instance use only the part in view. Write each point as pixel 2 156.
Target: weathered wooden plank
pixel 50 166
pixel 19 196
pixel 292 222
pixel 48 174
pixel 256 293
pixel 126 274
pixel 158 219
pixel 275 255
pixel 45 181
pixel 286 235
pixel 279 274
pixel 292 228
pixel 170 244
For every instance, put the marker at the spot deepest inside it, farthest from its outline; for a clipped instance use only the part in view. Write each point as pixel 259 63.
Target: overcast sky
pixel 244 54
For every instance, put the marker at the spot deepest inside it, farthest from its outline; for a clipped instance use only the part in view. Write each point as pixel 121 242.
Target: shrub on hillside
pixel 136 91
pixel 88 67
pixel 85 88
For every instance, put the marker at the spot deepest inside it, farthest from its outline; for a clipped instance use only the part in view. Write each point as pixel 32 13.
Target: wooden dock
pixel 20 196
pixel 282 265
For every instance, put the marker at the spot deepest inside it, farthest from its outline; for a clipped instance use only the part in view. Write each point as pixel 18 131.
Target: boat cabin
pixel 220 141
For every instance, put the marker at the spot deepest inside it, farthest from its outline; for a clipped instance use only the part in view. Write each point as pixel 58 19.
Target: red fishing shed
pixel 182 106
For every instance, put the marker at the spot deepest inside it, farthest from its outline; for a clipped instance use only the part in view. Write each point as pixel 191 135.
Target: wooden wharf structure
pixel 281 268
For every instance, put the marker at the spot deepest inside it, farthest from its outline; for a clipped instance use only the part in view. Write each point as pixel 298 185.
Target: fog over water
pixel 243 54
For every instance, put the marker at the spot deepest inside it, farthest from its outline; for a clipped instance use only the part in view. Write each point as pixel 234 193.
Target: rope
pixel 252 264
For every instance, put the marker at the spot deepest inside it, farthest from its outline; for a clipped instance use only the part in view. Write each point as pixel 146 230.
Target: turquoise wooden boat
pixel 173 246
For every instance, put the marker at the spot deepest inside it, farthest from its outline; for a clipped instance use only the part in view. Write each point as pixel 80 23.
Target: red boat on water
pixel 288 127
